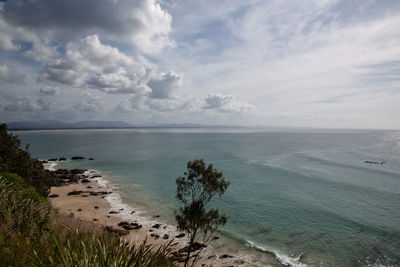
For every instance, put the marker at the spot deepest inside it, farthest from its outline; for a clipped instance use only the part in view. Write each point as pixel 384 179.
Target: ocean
pixel 315 196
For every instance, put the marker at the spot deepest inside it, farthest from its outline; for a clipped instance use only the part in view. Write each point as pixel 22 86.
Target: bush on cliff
pixel 18 161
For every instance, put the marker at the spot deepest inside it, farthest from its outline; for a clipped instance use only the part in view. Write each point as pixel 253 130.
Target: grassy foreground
pixel 32 234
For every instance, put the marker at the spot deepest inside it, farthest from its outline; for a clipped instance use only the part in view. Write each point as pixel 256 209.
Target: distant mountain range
pixel 51 124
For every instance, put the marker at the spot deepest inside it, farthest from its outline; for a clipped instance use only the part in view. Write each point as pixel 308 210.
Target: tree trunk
pixel 190 248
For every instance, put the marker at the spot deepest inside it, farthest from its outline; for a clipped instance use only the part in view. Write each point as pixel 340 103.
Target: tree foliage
pixel 18 161
pixel 194 191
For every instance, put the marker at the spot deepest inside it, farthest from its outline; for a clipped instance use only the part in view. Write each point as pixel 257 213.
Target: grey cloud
pixel 226 104
pixel 42 53
pixel 164 86
pixel 9 75
pixel 50 90
pixel 27 104
pixel 88 103
pixel 142 23
pixel 144 103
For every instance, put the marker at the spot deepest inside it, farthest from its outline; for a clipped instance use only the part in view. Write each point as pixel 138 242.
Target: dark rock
pixel 110 229
pixel 155 236
pixel 375 162
pixel 53 196
pixel 53 159
pixel 91 158
pixel 94 193
pixel 77 171
pixel 165 236
pixel 239 262
pixel 84 195
pixel 44 161
pixel 181 235
pixel 195 246
pixel 132 212
pixel 225 256
pixel 113 212
pixel 95 176
pixel 89 187
pixel 96 207
pixel 151 230
pixel 62 159
pixel 75 192
pixel 123 223
pixel 136 226
pixel 215 237
pixel 77 158
pixel 79 209
pixel 85 181
pixel 128 227
pixel 157 216
pixel 95 220
pixel 72 215
pixel 121 209
pixel 156 226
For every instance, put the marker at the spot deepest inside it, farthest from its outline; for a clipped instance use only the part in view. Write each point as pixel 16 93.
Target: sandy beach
pixel 90 200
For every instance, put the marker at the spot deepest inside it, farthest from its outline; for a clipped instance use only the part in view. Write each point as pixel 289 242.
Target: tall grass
pixel 31 234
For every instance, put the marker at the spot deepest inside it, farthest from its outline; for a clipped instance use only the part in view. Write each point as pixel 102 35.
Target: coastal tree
pixel 194 191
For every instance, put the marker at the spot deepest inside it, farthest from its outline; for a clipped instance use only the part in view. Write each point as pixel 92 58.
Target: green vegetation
pixel 33 234
pixel 18 161
pixel 194 191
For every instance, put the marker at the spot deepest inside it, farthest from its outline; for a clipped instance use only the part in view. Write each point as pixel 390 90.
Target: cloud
pixel 144 103
pixel 89 103
pixel 50 90
pixel 119 82
pixel 142 23
pixel 90 63
pixel 9 75
pixel 27 104
pixel 42 53
pixel 164 86
pixel 226 104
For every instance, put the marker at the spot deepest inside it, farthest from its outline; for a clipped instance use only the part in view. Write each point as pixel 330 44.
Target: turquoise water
pixel 294 192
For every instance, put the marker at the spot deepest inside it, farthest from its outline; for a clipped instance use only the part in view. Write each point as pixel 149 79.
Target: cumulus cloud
pixel 144 103
pixel 91 64
pixel 163 87
pixel 50 90
pixel 141 23
pixel 42 53
pixel 226 104
pixel 9 75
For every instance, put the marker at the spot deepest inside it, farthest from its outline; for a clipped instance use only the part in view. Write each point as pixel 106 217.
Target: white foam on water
pixel 286 260
pixel 50 165
pixel 132 214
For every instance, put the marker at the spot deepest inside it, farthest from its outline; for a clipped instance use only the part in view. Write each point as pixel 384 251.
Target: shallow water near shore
pixel 306 195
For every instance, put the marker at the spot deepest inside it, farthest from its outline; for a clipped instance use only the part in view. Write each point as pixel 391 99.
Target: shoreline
pixel 108 210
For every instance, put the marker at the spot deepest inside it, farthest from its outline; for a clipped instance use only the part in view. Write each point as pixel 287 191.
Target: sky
pixel 321 63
